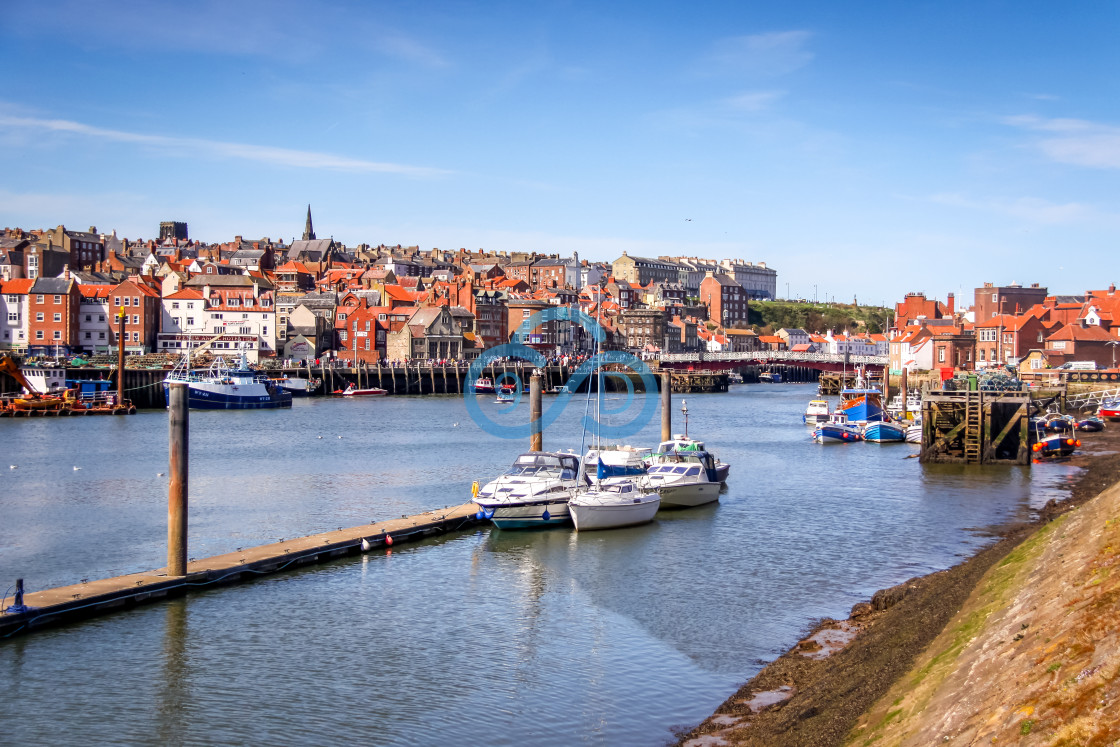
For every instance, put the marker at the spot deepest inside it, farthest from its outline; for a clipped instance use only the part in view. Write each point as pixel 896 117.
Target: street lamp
pixel 1112 344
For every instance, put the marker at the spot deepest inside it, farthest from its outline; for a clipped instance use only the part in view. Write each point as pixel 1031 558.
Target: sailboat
pixel 613 501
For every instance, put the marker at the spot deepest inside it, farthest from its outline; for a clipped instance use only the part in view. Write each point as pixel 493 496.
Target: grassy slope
pixel 818 317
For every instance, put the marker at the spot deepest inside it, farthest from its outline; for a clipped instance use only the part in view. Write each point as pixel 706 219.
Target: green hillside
pixel 769 316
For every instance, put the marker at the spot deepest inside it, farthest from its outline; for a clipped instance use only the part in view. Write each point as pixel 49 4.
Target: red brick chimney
pixel 951 302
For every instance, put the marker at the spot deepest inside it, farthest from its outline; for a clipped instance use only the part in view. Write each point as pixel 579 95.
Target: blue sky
pixel 861 149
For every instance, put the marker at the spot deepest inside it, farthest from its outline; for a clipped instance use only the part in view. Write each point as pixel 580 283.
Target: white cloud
pixel 1033 209
pixel 765 55
pixel 753 101
pixel 193 147
pixel 1073 141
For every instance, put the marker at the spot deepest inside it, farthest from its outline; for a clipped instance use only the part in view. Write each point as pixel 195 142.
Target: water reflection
pixel 482 637
pixel 174 691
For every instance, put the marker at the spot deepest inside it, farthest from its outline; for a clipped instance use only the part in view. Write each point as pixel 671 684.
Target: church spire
pixel 308 231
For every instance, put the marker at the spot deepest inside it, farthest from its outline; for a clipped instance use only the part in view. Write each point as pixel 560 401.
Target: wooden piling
pixel 178 438
pixel 666 406
pixel 120 358
pixel 536 435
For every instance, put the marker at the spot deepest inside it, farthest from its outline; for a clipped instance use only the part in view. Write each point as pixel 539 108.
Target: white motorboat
pixel 683 479
pixel 297 385
pixel 681 442
pixel 914 432
pixel 816 413
pixel 613 504
pixel 912 410
pixel 533 492
pixel 611 462
pixel 616 498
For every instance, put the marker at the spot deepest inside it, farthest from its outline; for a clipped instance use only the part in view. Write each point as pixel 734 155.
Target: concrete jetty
pixel 66 604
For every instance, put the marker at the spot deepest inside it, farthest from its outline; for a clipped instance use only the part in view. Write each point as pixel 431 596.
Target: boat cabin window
pixel 693 471
pixel 679 470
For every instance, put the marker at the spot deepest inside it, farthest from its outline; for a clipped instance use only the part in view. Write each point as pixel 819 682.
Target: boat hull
pixel 529 516
pixel 688 496
pixel 296 387
pixel 884 433
pixel 591 516
pixel 203 396
pixel 831 434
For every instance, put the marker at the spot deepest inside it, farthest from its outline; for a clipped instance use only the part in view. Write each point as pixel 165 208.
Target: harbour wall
pixel 144 385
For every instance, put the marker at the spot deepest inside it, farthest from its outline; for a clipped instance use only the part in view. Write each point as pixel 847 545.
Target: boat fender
pixel 389 539
pixel 474 489
pixel 365 545
pixel 546 515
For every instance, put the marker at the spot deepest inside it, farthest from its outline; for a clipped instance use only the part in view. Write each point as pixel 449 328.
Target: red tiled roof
pixel 18 285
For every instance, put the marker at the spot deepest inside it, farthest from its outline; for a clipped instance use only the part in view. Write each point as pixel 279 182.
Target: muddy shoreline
pixel 815 693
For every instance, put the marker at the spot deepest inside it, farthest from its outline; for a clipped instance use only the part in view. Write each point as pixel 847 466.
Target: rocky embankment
pixel 1018 644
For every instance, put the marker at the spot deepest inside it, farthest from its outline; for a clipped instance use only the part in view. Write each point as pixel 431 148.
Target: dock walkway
pixel 66 604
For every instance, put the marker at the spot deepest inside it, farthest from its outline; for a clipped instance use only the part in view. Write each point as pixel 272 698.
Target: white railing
pixel 775 356
pixel 1086 399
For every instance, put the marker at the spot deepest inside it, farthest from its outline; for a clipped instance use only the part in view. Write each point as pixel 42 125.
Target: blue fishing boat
pixel 1090 424
pixel 220 387
pixel 861 405
pixel 837 431
pixel 881 432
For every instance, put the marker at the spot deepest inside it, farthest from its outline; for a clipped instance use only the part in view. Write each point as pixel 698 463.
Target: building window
pixel 136 337
pixel 58 299
pixel 941 355
pixel 100 335
pixel 57 317
pixel 38 316
pixel 58 334
pixel 190 321
pixel 38 298
pixel 135 301
pixel 38 334
pixel 174 304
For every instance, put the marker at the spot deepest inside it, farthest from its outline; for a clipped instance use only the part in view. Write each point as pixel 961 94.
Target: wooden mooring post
pixel 975 427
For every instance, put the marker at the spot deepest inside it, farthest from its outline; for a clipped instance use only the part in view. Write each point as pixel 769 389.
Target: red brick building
pixel 726 299
pixel 992 300
pixel 916 306
pixel 1004 339
pixel 142 307
pixel 52 316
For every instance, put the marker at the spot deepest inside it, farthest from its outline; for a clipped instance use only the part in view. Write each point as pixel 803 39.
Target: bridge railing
pixel 774 356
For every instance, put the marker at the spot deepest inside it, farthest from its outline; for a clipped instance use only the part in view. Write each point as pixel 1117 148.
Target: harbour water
pixel 480 637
